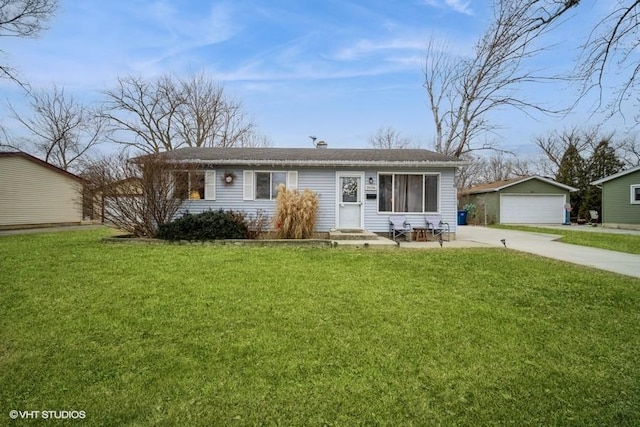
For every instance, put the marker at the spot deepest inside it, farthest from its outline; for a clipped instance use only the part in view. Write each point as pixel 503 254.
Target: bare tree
pixel 497 167
pixel 387 137
pixel 614 42
pixel 168 113
pixel 138 195
pixel 463 91
pixel 554 145
pixel 22 18
pixel 63 131
pixel 254 139
pixel 629 150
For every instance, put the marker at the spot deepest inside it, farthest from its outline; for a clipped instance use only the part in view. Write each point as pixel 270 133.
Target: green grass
pixel 223 335
pixel 629 243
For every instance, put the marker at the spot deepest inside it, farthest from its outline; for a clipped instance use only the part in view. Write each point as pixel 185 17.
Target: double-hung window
pixel 415 193
pixel 194 185
pixel 263 185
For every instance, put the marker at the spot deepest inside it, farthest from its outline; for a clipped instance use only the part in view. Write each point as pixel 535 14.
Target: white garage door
pixel 531 209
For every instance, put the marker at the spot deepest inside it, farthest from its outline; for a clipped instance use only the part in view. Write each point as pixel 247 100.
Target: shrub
pixel 210 225
pixel 295 213
pixel 256 224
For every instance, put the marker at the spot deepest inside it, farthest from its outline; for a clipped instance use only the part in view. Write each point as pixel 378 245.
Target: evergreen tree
pixel 572 171
pixel 603 162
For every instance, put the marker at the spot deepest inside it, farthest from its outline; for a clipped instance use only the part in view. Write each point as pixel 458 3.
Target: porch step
pixel 352 235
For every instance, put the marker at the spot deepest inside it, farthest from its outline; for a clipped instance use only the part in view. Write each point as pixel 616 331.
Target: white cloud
pixel 368 47
pixel 456 5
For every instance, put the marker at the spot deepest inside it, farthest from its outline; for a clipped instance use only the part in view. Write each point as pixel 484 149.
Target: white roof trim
pixel 616 175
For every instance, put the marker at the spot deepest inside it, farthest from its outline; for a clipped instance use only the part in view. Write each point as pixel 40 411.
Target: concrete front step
pixel 352 235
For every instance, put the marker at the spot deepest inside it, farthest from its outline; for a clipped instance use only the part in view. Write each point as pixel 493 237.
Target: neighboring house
pixel 524 200
pixel 101 203
pixel 621 199
pixel 358 189
pixel 34 193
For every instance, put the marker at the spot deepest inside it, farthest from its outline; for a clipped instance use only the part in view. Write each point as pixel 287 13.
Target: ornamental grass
pixel 296 213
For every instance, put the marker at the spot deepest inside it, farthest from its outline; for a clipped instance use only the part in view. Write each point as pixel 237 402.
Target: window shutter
pixel 247 185
pixel 292 180
pixel 210 185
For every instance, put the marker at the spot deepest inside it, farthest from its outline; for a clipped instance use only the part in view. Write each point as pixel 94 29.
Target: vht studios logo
pixel 53 415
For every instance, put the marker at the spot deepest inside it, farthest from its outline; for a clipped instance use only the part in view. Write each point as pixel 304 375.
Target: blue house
pixel 358 189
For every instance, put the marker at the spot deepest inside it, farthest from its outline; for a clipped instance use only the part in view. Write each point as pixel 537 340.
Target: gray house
pixel 621 199
pixel 523 200
pixel 357 188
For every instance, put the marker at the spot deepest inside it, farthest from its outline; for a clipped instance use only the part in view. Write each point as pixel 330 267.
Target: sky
pixel 334 69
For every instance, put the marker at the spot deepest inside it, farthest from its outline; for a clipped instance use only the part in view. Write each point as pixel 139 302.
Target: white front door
pixel 349 200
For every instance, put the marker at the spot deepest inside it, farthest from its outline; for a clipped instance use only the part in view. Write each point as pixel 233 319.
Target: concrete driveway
pixel 545 245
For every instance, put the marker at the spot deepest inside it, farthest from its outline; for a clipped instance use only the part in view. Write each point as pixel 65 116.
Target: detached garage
pixel 525 200
pixel 34 193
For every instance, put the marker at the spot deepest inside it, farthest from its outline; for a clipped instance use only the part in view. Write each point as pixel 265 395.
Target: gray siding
pixel 617 209
pixel 323 182
pixel 379 222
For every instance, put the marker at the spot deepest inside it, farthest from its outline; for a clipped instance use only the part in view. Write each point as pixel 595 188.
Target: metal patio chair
pixel 398 226
pixel 437 227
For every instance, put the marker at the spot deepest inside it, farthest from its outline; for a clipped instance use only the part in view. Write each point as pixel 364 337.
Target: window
pixel 635 193
pixel 263 185
pixel 194 185
pixel 408 193
pixel 267 184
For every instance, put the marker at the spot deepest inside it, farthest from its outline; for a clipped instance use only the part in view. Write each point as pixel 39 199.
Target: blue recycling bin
pixel 462 217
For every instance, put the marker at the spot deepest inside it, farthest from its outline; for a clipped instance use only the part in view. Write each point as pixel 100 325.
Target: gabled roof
pixel 616 175
pixel 41 163
pixel 501 185
pixel 312 157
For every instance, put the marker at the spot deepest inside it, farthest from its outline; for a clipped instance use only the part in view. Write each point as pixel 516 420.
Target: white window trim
pixel 423 174
pixel 632 196
pixel 249 184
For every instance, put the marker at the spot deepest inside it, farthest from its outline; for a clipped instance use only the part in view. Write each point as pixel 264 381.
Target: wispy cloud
pixel 369 47
pixel 179 32
pixel 455 5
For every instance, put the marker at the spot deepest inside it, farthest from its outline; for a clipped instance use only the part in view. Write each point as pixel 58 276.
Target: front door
pixel 349 195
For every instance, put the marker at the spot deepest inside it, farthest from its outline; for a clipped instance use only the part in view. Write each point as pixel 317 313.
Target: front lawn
pixel 222 335
pixel 629 243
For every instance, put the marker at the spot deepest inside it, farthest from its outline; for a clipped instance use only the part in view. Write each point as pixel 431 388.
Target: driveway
pixel 545 245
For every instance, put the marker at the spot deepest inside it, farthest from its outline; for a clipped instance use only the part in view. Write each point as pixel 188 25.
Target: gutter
pixel 317 163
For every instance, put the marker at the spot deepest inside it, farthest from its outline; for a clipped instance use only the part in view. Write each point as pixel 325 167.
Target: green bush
pixel 210 225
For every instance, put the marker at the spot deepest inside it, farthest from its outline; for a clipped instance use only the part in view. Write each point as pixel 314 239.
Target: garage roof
pixel 500 185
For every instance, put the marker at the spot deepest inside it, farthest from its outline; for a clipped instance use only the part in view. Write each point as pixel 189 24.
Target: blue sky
pixel 335 69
